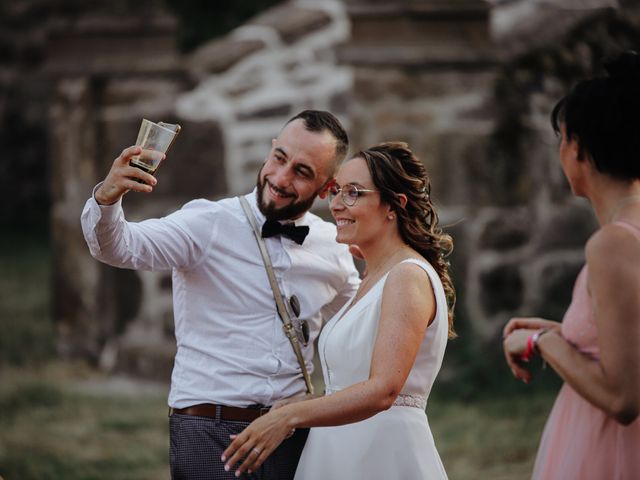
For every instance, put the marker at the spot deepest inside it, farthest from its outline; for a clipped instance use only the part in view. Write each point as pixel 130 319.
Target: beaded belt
pixel 402 400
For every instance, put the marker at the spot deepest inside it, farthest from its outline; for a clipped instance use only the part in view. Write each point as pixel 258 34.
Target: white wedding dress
pixel 396 443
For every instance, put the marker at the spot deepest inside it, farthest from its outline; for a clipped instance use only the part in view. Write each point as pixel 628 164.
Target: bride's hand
pixel 287 401
pixel 256 442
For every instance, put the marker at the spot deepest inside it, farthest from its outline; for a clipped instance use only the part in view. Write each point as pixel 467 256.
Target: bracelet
pixel 536 337
pixel 528 352
pixel 532 344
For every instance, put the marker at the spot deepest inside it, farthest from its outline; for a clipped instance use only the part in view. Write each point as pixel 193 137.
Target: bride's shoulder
pixel 410 275
pixel 409 294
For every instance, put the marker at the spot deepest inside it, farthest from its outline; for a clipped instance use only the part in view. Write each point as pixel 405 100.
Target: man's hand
pixel 122 177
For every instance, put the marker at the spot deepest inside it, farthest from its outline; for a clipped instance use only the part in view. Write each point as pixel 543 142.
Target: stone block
pixel 501 288
pixel 506 229
pixel 132 90
pixel 437 8
pixel 568 226
pixel 340 103
pixel 198 169
pixel 119 300
pixel 461 170
pixel 553 285
pixel 292 21
pixel 150 360
pixel 106 45
pixel 278 110
pixel 425 34
pixel 219 55
pixel 74 283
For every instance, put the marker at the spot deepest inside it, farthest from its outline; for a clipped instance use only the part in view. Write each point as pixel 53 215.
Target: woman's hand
pixel 515 335
pixel 532 323
pixel 514 346
pixel 256 442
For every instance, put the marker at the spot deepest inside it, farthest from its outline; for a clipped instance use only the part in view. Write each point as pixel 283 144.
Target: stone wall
pixel 231 97
pixel 475 109
pixel 430 72
pixel 266 71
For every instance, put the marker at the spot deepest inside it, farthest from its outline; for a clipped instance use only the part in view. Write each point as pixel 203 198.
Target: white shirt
pixel 231 346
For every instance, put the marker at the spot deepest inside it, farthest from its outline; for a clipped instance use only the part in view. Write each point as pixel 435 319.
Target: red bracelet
pixel 528 352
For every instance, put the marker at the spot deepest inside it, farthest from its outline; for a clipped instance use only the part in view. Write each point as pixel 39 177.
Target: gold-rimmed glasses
pixel 349 193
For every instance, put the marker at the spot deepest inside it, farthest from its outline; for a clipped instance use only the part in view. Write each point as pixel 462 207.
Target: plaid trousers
pixel 197 443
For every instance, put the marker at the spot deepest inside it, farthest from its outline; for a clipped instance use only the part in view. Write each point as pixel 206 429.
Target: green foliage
pixel 202 20
pixel 25 305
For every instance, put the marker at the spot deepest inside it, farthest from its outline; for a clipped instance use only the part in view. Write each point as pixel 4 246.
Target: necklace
pixel 620 204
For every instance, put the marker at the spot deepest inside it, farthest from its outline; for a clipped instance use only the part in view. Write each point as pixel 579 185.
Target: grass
pixel 491 438
pixel 54 427
pixel 67 421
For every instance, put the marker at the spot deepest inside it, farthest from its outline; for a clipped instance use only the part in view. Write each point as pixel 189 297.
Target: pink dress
pixel 579 440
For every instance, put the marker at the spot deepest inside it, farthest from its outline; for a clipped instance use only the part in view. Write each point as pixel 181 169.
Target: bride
pixel 381 352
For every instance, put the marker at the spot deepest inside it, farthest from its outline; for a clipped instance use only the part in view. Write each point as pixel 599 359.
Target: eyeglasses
pixel 349 193
pixel 301 327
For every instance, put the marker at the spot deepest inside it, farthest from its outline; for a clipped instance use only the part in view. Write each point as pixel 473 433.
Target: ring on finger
pixel 256 451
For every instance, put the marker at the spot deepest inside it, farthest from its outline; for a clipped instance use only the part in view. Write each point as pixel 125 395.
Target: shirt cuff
pixel 95 214
pixel 107 213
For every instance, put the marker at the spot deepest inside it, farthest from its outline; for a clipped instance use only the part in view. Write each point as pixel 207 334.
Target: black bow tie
pixel 273 227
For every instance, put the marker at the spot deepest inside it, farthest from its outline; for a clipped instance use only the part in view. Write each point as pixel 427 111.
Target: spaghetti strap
pixel 630 227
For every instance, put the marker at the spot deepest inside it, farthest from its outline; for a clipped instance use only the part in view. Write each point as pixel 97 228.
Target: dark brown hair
pixel 395 169
pixel 320 121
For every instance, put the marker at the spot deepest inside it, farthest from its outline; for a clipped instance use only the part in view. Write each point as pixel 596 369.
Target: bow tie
pixel 273 227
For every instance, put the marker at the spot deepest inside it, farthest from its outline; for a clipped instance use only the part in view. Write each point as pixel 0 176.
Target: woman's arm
pixel 611 383
pixel 408 306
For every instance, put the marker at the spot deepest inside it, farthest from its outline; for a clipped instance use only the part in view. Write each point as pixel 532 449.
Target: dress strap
pixel 634 229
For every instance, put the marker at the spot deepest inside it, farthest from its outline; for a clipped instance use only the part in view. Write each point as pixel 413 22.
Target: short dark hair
pixel 602 113
pixel 320 121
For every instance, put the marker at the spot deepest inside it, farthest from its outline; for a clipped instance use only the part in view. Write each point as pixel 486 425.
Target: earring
pixel 391 216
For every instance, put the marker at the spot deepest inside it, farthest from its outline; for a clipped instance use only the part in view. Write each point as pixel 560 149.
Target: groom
pixel 233 359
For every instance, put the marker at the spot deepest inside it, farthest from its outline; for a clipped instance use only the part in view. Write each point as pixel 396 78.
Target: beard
pixel 288 212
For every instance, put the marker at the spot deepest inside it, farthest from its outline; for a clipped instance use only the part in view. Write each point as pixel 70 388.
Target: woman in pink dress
pixel 593 431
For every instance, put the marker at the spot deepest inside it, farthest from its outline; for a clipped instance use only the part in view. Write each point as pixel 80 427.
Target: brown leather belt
pixel 222 412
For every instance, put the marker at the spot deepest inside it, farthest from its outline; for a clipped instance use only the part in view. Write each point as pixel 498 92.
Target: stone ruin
pixel 468 84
